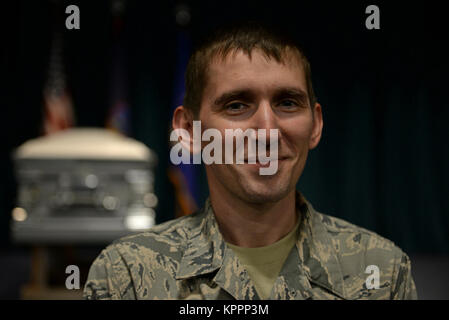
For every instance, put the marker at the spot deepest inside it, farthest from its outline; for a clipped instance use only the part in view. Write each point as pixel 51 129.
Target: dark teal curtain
pixel 383 159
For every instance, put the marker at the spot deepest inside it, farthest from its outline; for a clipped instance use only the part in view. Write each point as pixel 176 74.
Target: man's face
pixel 260 93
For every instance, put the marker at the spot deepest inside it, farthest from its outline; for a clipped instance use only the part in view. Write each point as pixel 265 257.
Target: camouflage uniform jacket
pixel 187 258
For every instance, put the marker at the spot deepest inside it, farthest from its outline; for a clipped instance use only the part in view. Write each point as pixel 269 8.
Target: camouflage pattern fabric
pixel 187 258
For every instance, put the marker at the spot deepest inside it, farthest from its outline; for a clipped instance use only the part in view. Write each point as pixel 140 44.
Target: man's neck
pixel 253 225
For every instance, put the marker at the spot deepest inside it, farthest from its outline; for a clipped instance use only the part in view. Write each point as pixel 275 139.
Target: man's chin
pixel 263 192
pixel 252 187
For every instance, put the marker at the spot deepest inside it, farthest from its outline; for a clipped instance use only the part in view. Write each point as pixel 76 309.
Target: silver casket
pixel 82 185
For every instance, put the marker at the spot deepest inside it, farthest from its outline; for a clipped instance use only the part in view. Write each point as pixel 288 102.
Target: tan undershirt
pixel 264 263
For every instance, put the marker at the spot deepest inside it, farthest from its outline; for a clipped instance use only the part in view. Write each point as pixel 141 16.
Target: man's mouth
pixel 256 162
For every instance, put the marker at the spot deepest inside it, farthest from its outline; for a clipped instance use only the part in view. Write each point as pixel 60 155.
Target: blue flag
pixel 183 176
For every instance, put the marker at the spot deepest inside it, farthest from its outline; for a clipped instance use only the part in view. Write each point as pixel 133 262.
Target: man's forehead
pixel 238 69
pixel 288 56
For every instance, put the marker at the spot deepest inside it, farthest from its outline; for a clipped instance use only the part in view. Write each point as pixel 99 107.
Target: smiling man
pixel 256 237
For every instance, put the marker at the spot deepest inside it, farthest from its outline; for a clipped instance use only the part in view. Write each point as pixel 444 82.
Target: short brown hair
pixel 245 37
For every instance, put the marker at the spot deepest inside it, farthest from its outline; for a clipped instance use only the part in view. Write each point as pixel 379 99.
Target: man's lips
pixel 257 163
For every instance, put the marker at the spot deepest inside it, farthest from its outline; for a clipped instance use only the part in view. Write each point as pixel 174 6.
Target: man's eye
pixel 235 107
pixel 288 104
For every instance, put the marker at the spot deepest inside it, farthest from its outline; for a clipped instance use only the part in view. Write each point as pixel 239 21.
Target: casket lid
pixel 85 143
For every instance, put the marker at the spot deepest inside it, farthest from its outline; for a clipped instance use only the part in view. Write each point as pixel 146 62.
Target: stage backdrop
pixel 383 159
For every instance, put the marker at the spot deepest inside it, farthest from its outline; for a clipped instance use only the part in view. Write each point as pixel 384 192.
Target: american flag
pixel 119 113
pixel 58 107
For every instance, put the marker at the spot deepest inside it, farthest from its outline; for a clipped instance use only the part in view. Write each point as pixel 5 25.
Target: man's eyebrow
pixel 295 93
pixel 234 94
pixel 246 94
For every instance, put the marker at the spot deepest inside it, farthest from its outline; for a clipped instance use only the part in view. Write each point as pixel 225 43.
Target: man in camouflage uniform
pixel 248 77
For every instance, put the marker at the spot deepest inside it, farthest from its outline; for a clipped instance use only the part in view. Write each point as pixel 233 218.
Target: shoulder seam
pixel 352 228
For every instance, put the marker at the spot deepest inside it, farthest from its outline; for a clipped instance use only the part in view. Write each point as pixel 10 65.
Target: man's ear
pixel 317 126
pixel 182 121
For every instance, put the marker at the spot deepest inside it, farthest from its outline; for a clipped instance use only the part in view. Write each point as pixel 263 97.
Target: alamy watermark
pixel 373 20
pixel 372 281
pixel 73 19
pixel 73 280
pixel 213 152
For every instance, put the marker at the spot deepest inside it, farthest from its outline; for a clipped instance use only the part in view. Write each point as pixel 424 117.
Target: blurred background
pixel 382 162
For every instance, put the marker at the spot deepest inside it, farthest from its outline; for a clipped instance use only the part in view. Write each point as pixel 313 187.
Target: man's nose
pixel 265 118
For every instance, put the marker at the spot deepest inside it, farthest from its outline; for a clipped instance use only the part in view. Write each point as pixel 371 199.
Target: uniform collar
pixel 316 252
pixel 205 247
pixel 315 259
